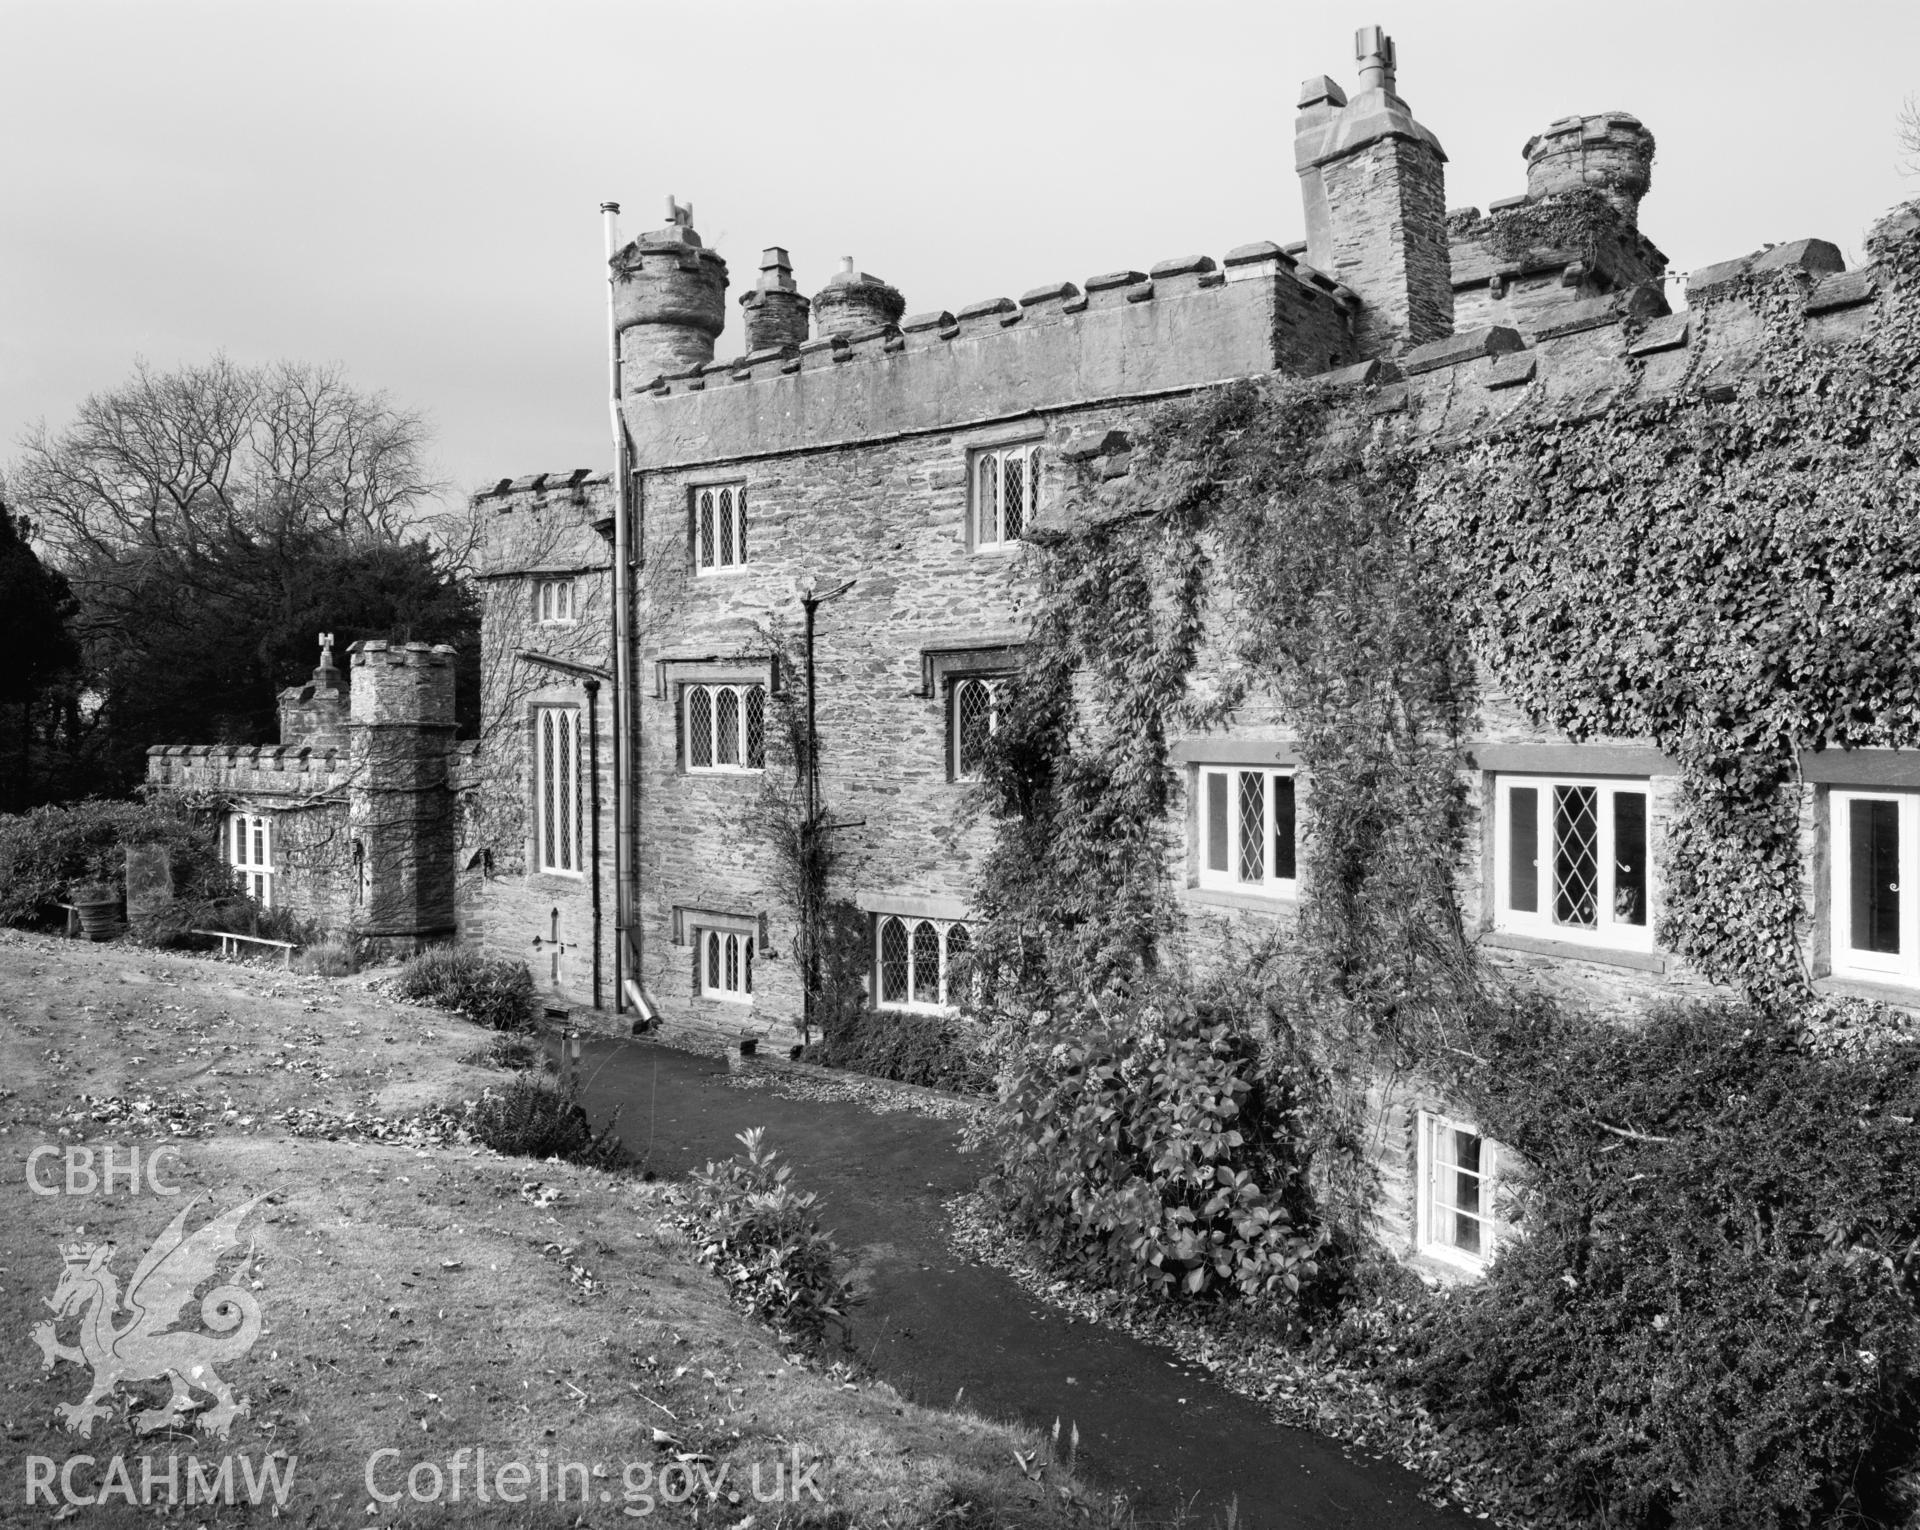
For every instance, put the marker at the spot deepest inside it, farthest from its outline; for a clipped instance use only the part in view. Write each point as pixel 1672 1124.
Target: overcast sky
pixel 410 189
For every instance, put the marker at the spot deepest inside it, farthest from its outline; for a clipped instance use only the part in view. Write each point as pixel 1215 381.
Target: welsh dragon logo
pixel 147 1347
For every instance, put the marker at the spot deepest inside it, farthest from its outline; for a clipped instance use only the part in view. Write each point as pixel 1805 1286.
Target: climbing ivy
pixel 1730 574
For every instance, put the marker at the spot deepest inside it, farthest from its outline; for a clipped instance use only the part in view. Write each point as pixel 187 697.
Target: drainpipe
pixel 593 775
pixel 623 741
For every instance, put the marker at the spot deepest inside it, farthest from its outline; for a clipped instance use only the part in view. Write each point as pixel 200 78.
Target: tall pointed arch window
pixel 557 791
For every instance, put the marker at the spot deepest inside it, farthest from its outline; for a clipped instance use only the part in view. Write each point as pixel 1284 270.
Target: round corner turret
pixel 669 300
pixel 1610 152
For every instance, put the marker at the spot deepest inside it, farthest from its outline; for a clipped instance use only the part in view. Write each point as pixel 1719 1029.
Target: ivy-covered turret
pixel 1610 153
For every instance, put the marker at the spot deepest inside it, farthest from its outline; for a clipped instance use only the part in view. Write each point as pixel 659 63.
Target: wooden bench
pixel 230 943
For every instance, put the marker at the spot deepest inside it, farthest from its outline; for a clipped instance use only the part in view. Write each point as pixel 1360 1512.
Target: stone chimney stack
pixel 776 310
pixel 669 301
pixel 1374 184
pixel 852 301
pixel 399 807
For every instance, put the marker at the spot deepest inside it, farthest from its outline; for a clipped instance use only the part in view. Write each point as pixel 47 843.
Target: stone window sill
pixel 1214 897
pixel 1574 951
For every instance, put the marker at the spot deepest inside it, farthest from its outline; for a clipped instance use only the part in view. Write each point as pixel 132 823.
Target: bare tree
pixel 181 467
pixel 1908 133
pixel 209 520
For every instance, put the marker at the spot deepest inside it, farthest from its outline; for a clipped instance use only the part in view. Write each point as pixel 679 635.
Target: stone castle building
pixel 854 492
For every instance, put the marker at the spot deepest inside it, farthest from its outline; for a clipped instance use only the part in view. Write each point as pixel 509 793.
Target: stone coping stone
pixel 1720 274
pixel 1063 292
pixel 988 306
pixel 1843 289
pixel 1185 265
pixel 1815 256
pixel 1512 369
pixel 1376 370
pixel 1575 318
pixel 1260 249
pixel 915 324
pixel 1507 204
pixel 1112 279
pixel 1491 340
pixel 1663 334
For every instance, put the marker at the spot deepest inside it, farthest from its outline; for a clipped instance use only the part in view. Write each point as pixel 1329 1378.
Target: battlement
pixel 578 482
pixel 1616 350
pixel 378 651
pixel 297 770
pixel 1181 324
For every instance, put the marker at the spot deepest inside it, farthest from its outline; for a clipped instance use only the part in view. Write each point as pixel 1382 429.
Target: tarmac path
pixel 934 1323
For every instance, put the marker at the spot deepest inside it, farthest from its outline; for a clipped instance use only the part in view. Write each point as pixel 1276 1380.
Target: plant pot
pixel 99 921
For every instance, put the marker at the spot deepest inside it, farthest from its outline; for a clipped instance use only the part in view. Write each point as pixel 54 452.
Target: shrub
pixel 175 925
pixel 534 1118
pixel 489 990
pixel 760 1235
pixel 1712 1322
pixel 939 1051
pixel 334 956
pixel 43 854
pixel 1159 1154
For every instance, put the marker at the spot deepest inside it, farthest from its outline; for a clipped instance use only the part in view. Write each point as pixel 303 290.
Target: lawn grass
pixel 417 1297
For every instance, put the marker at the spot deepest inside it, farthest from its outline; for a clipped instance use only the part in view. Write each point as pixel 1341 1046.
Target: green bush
pixel 939 1051
pixel 760 1235
pixel 489 990
pixel 1158 1154
pixel 534 1118
pixel 1712 1322
pixel 45 853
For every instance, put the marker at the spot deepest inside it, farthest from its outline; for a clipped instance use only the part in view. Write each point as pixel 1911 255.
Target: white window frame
pixel 942 1000
pixel 1608 930
pixel 1432 1237
pixel 987 517
pixel 1903 965
pixel 996 689
pixel 554 601
pixel 557 791
pixel 701 733
pixel 723 964
pixel 250 854
pixel 719 528
pixel 1268 879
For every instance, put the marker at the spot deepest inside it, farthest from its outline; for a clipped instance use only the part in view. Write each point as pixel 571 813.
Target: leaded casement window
pixel 723 964
pixel 557 791
pixel 1006 493
pixel 725 726
pixel 719 527
pixel 1873 915
pixel 250 853
pixel 916 962
pixel 974 705
pixel 553 601
pixel 1456 1176
pixel 1247 830
pixel 1572 861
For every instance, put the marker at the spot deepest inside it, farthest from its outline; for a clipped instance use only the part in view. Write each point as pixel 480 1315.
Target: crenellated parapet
pixel 1181 324
pixel 545 524
pixel 254 770
pixel 1617 351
